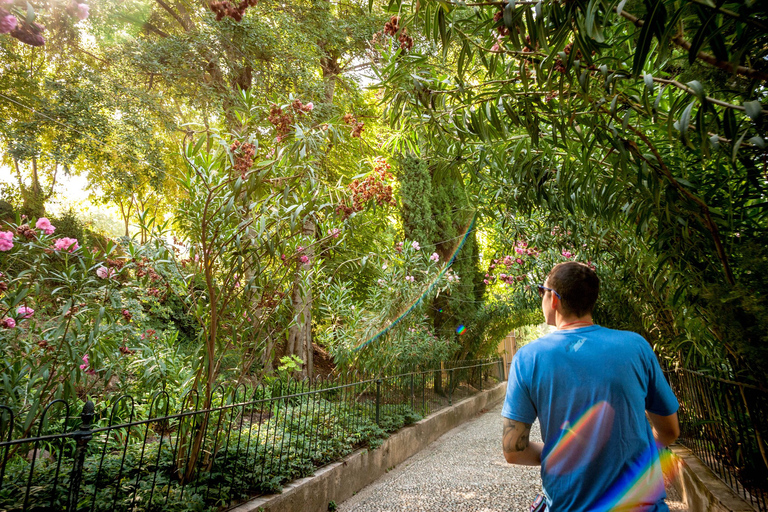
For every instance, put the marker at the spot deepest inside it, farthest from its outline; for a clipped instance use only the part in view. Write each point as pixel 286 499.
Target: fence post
pixel 378 399
pixel 450 387
pixel 501 369
pixel 482 369
pixel 412 393
pixel 81 437
pixel 424 393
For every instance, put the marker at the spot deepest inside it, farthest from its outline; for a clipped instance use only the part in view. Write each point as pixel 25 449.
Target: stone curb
pixel 700 488
pixel 339 481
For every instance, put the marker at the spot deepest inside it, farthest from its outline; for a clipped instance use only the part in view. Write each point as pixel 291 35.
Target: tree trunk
pixel 300 334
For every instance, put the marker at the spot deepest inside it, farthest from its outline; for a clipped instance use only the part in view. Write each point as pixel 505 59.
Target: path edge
pixel 341 480
pixel 700 489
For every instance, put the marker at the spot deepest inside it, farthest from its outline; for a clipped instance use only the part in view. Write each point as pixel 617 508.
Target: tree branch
pixel 708 221
pixel 706 57
pixel 173 13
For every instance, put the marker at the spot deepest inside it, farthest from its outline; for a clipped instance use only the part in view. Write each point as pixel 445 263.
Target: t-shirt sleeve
pixel 518 405
pixel 660 398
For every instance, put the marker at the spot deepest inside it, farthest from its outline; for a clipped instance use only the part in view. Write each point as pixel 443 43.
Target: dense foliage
pixel 634 128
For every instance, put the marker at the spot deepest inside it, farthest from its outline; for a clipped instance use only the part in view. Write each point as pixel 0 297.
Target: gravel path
pixel 464 470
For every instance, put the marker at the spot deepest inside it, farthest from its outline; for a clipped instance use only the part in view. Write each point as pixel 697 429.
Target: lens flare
pixel 461 330
pixel 427 290
pixel 580 441
pixel 643 485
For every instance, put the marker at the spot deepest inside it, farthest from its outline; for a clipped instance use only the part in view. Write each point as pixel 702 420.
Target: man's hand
pixel 517 447
pixel 666 429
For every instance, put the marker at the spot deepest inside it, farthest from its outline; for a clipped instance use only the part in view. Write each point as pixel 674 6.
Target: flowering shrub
pixel 70 317
pixel 378 332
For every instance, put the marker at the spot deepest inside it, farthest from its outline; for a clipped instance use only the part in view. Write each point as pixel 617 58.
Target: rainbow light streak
pixel 643 485
pixel 461 329
pixel 426 292
pixel 580 442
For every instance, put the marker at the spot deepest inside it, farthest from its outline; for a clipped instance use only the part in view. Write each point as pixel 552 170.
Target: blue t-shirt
pixel 590 388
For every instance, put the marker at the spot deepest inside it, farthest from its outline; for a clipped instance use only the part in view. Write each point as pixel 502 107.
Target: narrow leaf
pixel 753 108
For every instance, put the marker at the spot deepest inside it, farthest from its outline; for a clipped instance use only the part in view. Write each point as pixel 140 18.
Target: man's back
pixel 590 388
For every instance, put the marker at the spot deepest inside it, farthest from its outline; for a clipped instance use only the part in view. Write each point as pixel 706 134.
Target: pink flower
pixel 6 240
pixel 309 107
pixel 519 261
pixel 7 23
pixel 66 244
pixel 335 232
pixel 82 11
pixel 299 248
pixel 486 281
pixel 435 257
pixel 86 365
pixel 25 312
pixel 304 259
pixel 410 279
pixel 415 246
pixel 45 225
pixel 495 48
pixel 8 323
pixel 105 273
pixel 567 254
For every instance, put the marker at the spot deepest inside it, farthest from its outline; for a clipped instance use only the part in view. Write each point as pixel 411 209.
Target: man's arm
pixel 517 448
pixel 666 429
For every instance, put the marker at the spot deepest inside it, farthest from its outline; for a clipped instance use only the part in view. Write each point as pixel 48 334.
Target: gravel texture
pixel 464 470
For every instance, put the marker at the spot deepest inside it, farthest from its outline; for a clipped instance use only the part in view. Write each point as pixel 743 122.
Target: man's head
pixel 577 286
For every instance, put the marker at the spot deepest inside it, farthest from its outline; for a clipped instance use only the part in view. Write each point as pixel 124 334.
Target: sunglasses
pixel 543 289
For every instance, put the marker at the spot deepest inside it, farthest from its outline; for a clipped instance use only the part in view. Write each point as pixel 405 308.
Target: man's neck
pixel 573 322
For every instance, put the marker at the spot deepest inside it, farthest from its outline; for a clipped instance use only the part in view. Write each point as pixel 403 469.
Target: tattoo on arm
pixel 515 436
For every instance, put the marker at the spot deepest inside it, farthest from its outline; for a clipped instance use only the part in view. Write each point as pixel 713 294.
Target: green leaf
pixel 698 39
pixel 443 31
pixel 509 15
pixel 648 79
pixel 757 141
pixel 30 14
pixel 583 79
pixel 753 109
pixel 698 90
pixel 685 119
pixel 653 25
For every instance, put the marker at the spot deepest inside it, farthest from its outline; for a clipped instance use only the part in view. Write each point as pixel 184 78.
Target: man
pixel 594 390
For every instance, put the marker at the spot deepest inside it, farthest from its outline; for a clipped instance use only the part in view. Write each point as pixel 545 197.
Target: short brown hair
pixel 578 286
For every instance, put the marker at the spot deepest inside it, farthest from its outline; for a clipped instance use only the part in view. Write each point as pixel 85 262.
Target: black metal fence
pixel 725 424
pixel 185 456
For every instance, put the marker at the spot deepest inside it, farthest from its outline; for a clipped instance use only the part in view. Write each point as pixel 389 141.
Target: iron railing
pixel 184 456
pixel 725 423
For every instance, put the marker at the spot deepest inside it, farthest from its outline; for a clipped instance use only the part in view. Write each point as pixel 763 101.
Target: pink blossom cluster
pixel 86 366
pixel 8 22
pixel 6 240
pixel 399 246
pixel 415 246
pixel 410 279
pixel 567 254
pixel 8 323
pixel 45 226
pixel 66 244
pixel 435 257
pixel 335 232
pixel 25 312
